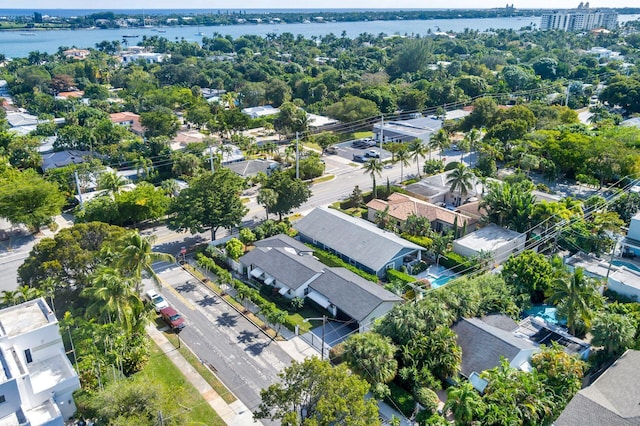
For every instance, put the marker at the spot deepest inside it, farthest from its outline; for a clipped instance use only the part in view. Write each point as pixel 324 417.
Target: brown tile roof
pixel 402 206
pixel 74 94
pixel 127 116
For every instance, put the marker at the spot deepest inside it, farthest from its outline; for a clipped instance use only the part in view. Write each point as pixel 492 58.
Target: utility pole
pixel 75 175
pixel 381 134
pixel 211 157
pixel 297 157
pixel 566 99
pixel 324 323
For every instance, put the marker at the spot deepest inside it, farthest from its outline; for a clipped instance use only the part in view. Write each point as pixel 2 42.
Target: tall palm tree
pixel 373 167
pixel 441 140
pixel 136 256
pixel 113 298
pixel 472 138
pixel 417 150
pixel 267 198
pixel 461 180
pixel 576 297
pixel 170 187
pixel 402 156
pixel 112 182
pixel 464 402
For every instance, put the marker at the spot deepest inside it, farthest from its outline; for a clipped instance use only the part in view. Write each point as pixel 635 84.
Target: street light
pixel 324 322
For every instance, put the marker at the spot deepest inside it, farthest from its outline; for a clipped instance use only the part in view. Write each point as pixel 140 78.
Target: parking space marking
pixel 177 294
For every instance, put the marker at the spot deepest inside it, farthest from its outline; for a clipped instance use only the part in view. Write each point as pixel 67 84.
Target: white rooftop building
pixel 260 111
pixel 37 379
pixel 498 241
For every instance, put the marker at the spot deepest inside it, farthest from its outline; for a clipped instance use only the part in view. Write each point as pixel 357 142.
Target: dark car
pixel 172 318
pixel 359 158
pixel 359 144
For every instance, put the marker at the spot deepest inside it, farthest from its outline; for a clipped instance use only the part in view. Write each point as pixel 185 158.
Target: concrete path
pixel 234 414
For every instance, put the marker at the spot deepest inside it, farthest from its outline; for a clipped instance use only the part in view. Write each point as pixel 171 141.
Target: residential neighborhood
pixel 356 229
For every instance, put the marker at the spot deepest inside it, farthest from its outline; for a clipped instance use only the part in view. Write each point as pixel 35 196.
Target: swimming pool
pixel 546 312
pixel 627 265
pixel 440 281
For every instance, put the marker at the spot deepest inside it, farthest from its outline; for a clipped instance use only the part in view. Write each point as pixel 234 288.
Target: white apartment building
pixel 37 379
pixel 580 19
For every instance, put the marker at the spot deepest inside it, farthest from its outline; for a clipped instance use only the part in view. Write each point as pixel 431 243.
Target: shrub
pixel 297 303
pixel 393 275
pixel 402 399
pixel 450 166
pixel 427 398
pixel 425 242
pixel 457 263
pixel 419 267
pixel 431 167
pixel 336 354
pixel 332 260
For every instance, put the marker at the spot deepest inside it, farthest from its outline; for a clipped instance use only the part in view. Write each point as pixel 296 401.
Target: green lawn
pixel 162 371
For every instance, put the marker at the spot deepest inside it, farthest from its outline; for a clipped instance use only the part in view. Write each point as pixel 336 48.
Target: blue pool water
pixel 439 282
pixel 546 312
pixel 628 265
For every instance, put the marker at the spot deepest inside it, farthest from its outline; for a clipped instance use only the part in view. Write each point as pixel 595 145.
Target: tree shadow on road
pixel 246 336
pixel 207 301
pixel 257 348
pixel 187 287
pixel 227 320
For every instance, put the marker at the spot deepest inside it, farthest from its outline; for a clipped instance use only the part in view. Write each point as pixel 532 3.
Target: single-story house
pixel 625 282
pixel 500 242
pixel 435 189
pixel 611 400
pixel 54 160
pixel 129 120
pixel 402 206
pixel 253 167
pixel 260 111
pixel 147 57
pixel 483 344
pixel 185 137
pixel 635 122
pixel 76 53
pixel 318 122
pixel 485 340
pixel 407 130
pixel 291 269
pixel 356 241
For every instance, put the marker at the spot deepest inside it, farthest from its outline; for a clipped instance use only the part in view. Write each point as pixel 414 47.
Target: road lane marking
pixel 177 294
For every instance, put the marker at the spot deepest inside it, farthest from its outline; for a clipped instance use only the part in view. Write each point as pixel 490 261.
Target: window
pixel 306 291
pixel 27 355
pixel 2 399
pixel 390 266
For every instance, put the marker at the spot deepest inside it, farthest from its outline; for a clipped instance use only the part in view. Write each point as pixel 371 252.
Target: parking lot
pixel 346 150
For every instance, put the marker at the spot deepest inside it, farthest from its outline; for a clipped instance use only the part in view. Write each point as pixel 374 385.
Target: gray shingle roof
pixel 482 345
pixel 356 238
pixel 282 240
pixel 351 293
pixel 612 400
pixel 284 265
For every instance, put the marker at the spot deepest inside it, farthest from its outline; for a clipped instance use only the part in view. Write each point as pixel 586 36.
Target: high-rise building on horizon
pixel 581 19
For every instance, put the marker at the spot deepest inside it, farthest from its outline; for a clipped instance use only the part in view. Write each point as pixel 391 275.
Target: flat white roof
pixel 49 372
pixel 625 276
pixel 491 237
pixel 25 317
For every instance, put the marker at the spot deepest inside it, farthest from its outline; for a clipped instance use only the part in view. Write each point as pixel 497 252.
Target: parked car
pixel 331 150
pixel 359 158
pixel 156 300
pixel 455 147
pixel 372 153
pixel 172 318
pixel 359 144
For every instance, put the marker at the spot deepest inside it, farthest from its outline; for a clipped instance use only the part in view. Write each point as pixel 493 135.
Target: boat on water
pixel 130 36
pixel 27 33
pixel 161 31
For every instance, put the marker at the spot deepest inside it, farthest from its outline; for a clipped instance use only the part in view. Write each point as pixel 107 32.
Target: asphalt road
pixel 241 355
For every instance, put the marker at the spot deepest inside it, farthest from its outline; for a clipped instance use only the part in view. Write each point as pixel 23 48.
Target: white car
pixel 156 300
pixel 372 153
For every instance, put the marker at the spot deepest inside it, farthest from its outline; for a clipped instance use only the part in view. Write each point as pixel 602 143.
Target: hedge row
pixel 393 275
pixel 458 263
pixel 334 261
pixel 425 242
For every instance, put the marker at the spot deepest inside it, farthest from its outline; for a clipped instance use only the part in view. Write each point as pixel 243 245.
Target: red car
pixel 172 318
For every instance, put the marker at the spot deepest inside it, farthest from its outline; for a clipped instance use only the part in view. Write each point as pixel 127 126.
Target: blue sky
pixel 314 4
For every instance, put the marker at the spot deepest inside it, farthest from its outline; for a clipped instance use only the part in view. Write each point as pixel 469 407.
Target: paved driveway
pixel 243 358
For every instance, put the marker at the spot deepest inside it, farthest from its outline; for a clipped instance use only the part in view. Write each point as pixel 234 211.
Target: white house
pixel 631 244
pixel 37 380
pixel 260 111
pixel 500 242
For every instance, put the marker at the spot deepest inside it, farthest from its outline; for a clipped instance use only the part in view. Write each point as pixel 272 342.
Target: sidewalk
pixel 234 414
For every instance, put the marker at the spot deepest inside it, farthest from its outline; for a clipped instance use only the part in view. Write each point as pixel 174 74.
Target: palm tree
pixel 111 182
pixel 441 140
pixel 136 256
pixel 373 167
pixel 461 180
pixel 113 298
pixel 464 403
pixel 144 166
pixel 229 99
pixel 402 156
pixel 417 150
pixel 576 296
pixel 267 198
pixel 10 297
pixel 472 138
pixel 170 187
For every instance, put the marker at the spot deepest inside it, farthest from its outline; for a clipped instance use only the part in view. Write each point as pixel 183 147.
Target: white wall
pixel 624 289
pixel 380 311
pixel 634 228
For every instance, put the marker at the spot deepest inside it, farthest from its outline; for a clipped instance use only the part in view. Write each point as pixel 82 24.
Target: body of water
pixel 628 265
pixel 16 44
